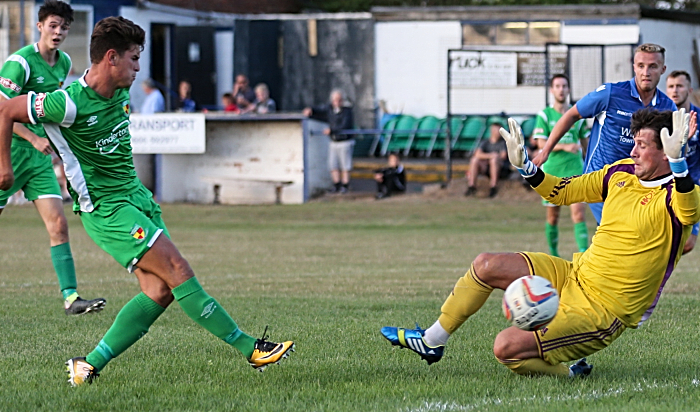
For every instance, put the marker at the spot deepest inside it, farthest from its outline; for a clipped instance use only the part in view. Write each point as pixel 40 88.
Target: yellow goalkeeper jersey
pixel 640 238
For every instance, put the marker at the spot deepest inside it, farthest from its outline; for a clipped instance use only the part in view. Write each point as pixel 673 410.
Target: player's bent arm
pixel 39 143
pixel 685 200
pixel 562 126
pixel 11 111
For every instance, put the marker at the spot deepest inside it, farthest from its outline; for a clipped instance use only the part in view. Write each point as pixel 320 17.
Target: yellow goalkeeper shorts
pixel 582 326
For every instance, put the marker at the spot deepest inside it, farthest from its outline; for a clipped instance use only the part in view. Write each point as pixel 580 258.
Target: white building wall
pixel 677 38
pixel 600 34
pixel 411 65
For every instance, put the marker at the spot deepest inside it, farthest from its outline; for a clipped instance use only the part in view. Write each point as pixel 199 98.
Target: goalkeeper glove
pixel 517 154
pixel 674 144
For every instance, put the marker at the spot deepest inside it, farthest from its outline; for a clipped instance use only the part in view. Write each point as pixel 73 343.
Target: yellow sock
pixel 468 296
pixel 535 366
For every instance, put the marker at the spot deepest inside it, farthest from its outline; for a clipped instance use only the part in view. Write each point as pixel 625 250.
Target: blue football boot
pixel 580 369
pixel 413 340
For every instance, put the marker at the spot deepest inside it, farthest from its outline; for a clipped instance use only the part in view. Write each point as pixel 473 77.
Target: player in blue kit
pixel 678 89
pixel 612 105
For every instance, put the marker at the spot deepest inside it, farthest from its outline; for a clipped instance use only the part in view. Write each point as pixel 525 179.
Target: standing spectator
pixel 229 103
pixel 339 117
pixel 186 104
pixel 245 96
pixel 263 103
pixel 154 102
pixel 678 89
pixel 392 179
pixel 566 160
pixel 489 159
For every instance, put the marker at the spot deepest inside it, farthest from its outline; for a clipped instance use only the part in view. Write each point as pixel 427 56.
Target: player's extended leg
pixel 578 216
pixel 164 260
pixel 488 271
pixel 551 229
pixel 132 322
pixel 51 211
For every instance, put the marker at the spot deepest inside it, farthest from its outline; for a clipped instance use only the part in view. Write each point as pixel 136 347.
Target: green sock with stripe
pixel 64 266
pixel 552 234
pixel 132 322
pixel 581 235
pixel 209 314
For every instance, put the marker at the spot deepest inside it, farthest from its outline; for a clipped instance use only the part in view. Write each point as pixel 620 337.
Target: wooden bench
pixel 219 180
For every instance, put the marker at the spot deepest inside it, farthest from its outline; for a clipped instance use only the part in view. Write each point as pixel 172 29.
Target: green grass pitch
pixel 327 275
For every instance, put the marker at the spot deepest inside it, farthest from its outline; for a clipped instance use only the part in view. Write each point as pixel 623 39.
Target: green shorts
pixel 34 175
pixel 126 226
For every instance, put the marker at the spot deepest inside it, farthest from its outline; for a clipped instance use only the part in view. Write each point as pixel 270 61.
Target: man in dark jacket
pixel 391 180
pixel 339 117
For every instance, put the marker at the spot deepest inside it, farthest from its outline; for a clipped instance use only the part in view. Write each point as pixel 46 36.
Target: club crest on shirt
pixel 620 184
pixel 127 108
pixel 647 198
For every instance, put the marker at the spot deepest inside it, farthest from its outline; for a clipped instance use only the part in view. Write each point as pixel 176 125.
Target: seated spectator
pixel 154 101
pixel 390 180
pixel 263 104
pixel 229 103
pixel 185 103
pixel 489 159
pixel 245 96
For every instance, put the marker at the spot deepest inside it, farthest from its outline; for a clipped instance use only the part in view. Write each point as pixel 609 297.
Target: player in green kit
pixel 42 67
pixel 88 124
pixel 566 160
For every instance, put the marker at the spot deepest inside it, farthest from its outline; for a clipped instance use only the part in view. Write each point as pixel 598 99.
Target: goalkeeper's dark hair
pixel 115 33
pixel 56 8
pixel 652 119
pixel 559 76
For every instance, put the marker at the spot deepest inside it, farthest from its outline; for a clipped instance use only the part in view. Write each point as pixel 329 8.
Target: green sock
pixel 552 233
pixel 209 314
pixel 63 263
pixel 581 235
pixel 132 322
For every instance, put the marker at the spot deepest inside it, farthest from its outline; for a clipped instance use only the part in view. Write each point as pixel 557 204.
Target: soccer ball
pixel 530 302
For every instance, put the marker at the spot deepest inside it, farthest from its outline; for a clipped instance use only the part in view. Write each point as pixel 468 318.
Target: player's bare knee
pixel 503 347
pixel 181 268
pixel 57 227
pixel 483 266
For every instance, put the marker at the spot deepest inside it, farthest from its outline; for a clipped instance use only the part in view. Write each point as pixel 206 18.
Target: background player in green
pixel 565 161
pixel 88 124
pixel 42 67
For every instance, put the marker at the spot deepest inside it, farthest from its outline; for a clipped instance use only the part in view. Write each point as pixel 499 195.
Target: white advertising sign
pixel 167 133
pixel 476 69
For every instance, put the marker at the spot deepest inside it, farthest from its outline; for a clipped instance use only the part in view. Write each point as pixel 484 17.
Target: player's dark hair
pixel 678 73
pixel 114 33
pixel 56 8
pixel 652 119
pixel 559 76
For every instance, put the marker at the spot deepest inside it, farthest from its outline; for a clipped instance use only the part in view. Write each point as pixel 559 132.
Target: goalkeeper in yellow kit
pixel 650 206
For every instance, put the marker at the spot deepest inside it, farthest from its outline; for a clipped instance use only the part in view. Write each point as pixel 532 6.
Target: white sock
pixel 436 335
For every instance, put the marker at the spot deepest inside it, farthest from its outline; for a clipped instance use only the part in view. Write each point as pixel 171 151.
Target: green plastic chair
pixel 400 136
pixel 528 126
pixel 456 124
pixel 471 134
pixel 384 135
pixel 428 127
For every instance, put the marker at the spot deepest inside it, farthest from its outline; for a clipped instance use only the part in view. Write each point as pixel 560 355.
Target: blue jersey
pixel 693 154
pixel 612 105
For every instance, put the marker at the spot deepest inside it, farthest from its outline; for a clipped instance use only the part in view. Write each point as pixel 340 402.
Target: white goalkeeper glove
pixel 517 154
pixel 674 144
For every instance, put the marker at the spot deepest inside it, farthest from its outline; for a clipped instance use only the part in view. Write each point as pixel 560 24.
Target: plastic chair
pixel 385 134
pixel 456 124
pixel 471 134
pixel 400 136
pixel 428 127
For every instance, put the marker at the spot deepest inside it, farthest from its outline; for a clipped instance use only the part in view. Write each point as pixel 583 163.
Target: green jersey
pixel 561 163
pixel 26 71
pixel 91 134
